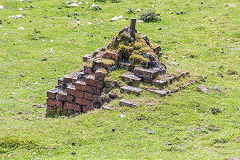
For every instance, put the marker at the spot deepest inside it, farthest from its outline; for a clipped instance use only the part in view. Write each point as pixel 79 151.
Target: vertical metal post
pixel 132 26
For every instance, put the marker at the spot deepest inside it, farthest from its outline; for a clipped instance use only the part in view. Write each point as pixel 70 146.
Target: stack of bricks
pixel 76 92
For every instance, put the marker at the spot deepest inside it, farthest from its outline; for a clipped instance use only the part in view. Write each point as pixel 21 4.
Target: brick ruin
pixel 129 50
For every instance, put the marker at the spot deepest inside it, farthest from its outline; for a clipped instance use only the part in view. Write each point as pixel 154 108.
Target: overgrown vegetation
pixel 149 15
pixel 186 125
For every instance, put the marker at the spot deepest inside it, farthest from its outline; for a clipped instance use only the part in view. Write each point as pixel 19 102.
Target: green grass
pixel 180 126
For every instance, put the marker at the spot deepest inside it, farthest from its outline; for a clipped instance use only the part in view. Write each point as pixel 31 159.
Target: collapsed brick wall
pixel 74 94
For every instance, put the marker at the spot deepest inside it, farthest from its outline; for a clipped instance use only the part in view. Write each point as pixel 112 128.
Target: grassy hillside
pixel 203 40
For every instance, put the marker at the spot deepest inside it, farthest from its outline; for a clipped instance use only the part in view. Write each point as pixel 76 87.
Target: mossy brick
pixel 103 62
pixel 110 55
pixel 73 91
pixel 83 102
pixel 87 58
pixel 90 80
pixel 52 93
pixel 53 102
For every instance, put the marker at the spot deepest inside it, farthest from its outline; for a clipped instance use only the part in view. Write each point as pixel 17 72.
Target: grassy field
pixel 205 40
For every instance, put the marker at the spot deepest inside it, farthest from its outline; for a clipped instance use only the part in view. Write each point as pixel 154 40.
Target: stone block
pixel 90 80
pixel 100 74
pixel 162 93
pixel 87 58
pixel 52 93
pixel 129 89
pixel 105 63
pixel 160 83
pixel 109 55
pixel 124 102
pixel 83 102
pixel 130 77
pixel 146 74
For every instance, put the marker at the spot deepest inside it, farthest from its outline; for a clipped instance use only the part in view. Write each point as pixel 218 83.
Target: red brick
pixel 62 95
pixel 90 80
pixel 100 74
pixel 91 97
pixel 86 108
pixel 73 91
pixel 109 55
pixel 80 85
pixel 68 106
pixel 76 107
pixel 52 93
pixel 87 57
pixel 97 91
pixel 50 108
pixel 70 98
pixel 74 79
pixel 83 102
pixel 52 102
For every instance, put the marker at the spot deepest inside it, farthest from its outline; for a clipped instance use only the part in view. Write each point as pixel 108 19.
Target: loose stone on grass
pixel 129 89
pixel 162 93
pixel 124 102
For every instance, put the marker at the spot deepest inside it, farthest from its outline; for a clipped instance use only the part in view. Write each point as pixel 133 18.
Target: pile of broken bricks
pixel 83 91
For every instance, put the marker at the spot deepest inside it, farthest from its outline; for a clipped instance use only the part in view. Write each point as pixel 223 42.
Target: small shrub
pixel 129 10
pixel 149 16
pixel 115 1
pixel 99 0
pixel 96 7
pixel 215 111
